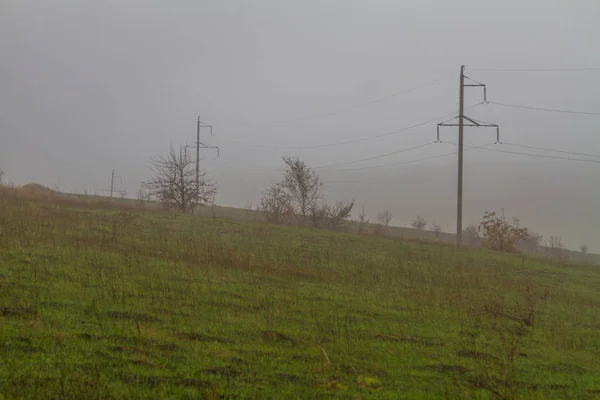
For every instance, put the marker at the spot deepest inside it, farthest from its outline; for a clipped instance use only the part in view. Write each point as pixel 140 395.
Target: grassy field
pixel 99 303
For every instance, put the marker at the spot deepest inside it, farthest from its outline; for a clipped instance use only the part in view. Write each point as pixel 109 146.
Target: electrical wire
pixel 377 156
pixel 351 141
pixel 406 162
pixel 552 150
pixel 543 109
pixel 368 103
pixel 543 156
pixel 535 69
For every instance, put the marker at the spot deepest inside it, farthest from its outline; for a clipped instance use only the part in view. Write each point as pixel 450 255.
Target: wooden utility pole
pixel 461 125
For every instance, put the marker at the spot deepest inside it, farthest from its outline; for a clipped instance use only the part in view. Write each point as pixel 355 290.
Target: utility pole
pixel 461 125
pixel 461 138
pixel 112 184
pixel 199 145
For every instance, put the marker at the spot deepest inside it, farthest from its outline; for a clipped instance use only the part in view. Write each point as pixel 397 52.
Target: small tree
pixel 584 248
pixel 499 235
pixel 419 223
pixel 275 205
pixel 384 218
pixel 174 182
pixel 300 195
pixel 326 216
pixel 1 177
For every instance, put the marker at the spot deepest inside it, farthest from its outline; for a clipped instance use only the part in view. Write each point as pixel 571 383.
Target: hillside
pixel 108 303
pixel 242 214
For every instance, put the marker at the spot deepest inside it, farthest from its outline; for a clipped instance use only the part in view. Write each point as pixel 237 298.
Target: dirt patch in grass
pixel 167 346
pixel 477 355
pixel 566 369
pixel 226 370
pixel 408 339
pixel 279 337
pixel 200 337
pixel 19 343
pixel 447 368
pixel 154 381
pixel 132 316
pixel 17 311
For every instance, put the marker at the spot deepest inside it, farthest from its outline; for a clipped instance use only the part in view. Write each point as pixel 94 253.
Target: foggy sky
pixel 91 86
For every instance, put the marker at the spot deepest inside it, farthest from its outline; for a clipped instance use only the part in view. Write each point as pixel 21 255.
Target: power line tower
pixel 199 145
pixel 461 124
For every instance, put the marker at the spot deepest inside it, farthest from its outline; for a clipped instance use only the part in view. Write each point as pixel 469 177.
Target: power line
pixel 261 169
pixel 543 109
pixel 413 161
pixel 536 69
pixel 350 141
pixel 544 156
pixel 532 155
pixel 368 103
pixel 405 162
pixel 377 156
pixel 552 150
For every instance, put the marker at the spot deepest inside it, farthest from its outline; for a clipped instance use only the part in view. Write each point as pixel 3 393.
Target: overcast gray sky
pixel 88 86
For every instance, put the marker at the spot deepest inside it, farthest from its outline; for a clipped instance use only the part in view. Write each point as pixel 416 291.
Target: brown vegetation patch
pixel 407 339
pixel 277 337
pixel 154 381
pixel 477 355
pixel 227 371
pixel 132 316
pixel 200 337
pixel 448 368
pixel 17 311
pixel 35 191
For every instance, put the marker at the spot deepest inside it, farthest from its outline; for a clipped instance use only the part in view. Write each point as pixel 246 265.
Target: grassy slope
pixel 102 304
pixel 242 214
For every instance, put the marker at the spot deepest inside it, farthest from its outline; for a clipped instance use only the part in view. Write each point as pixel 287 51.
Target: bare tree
pixel 302 186
pixel 384 218
pixel 300 195
pixel 419 223
pixel 174 182
pixel 1 177
pixel 584 248
pixel 326 216
pixel 274 204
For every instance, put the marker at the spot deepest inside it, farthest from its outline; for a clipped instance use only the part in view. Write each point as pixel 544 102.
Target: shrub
pixel 499 235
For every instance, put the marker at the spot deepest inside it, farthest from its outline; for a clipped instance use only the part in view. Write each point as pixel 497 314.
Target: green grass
pixel 108 304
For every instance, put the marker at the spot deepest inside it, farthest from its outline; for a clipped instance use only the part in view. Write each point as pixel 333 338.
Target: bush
pixel 499 235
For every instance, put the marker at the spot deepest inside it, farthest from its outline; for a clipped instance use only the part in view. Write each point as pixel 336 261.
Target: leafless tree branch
pixel 174 182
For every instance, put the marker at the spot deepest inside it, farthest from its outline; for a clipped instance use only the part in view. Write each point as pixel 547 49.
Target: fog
pixel 92 86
